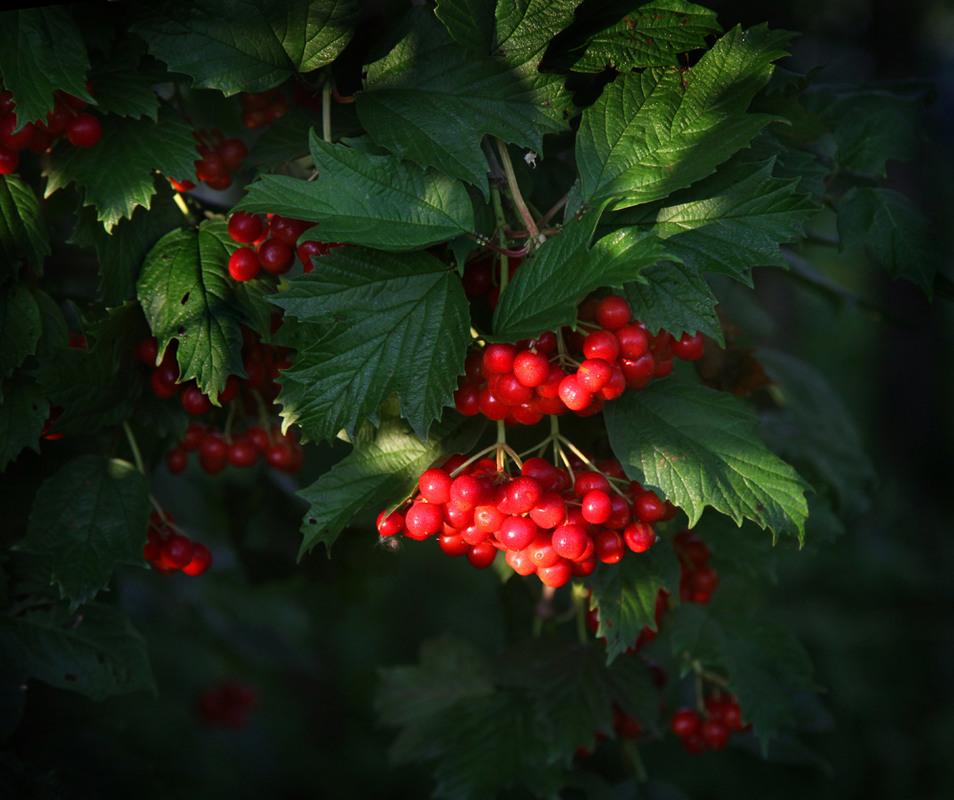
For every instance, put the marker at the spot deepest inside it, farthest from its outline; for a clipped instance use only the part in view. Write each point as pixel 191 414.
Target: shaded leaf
pixel 20 327
pixel 677 297
pixel 23 232
pixel 23 413
pixel 469 22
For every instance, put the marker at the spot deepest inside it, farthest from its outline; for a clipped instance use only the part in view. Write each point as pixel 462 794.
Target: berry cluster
pixel 546 520
pixel 481 278
pixel 217 448
pixel 220 158
pixel 226 705
pixel 271 245
pixel 697 579
pixel 67 119
pixel 260 109
pixel 167 549
pixel 710 731
pixel 571 371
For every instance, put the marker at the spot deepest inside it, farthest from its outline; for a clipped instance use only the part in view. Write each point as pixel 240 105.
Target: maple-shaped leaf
pixel 116 176
pixel 371 200
pixel 675 297
pixel 246 45
pixel 652 35
pixel 625 595
pixel 381 470
pixel 524 28
pixel 125 78
pixel 187 295
pixel 432 101
pixel 20 327
pixel 23 231
pixel 89 516
pixel 547 288
pixel 699 448
pixel 400 324
pixel 95 651
pixel 893 230
pixel 42 51
pixel 659 130
pixel 23 414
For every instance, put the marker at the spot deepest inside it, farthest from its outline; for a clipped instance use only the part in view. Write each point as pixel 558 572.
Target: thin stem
pixel 502 236
pixel 501 444
pixel 137 456
pixel 557 206
pixel 515 193
pixel 326 111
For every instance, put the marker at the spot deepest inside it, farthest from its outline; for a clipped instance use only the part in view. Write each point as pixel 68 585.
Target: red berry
pixel 146 351
pixel 15 141
pixel 520 496
pixel 633 341
pixel 531 368
pixel 648 507
pixel 244 264
pixel 601 344
pixel 686 722
pixel 452 544
pixel 569 541
pixel 435 485
pixel 242 453
pixel 201 560
pixel 594 373
pixel 557 574
pixel 639 536
pixel 610 546
pixel 613 312
pixel 211 168
pixel 596 507
pixel 422 520
pixel 498 358
pixel 573 395
pixel 177 460
pixel 84 131
pixel 194 400
pixel 176 552
pixel 287 229
pixel 517 533
pixel 275 256
pixel 715 734
pixel 233 152
pixel 390 525
pixel 549 511
pixel 308 250
pixel 245 228
pixel 689 348
pixel 482 555
pixel 9 160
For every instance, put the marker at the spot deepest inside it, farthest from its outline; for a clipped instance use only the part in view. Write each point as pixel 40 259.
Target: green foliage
pixel 604 148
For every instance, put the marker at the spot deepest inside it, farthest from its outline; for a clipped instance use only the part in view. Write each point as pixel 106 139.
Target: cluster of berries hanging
pixel 168 549
pixel 219 159
pixel 270 244
pixel 571 371
pixel 710 730
pixel 547 521
pixel 67 119
pixel 226 705
pixel 261 109
pixel 238 432
pixel 697 579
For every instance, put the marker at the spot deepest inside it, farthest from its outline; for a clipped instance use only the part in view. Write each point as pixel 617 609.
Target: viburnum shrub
pixel 482 276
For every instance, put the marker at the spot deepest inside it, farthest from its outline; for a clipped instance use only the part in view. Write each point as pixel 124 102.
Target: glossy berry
pixel 245 228
pixel 84 130
pixel 639 536
pixel 9 160
pixel 244 264
pixel 194 401
pixel 686 722
pixel 233 152
pixel 613 312
pixel 531 368
pixel 177 460
pixel 275 256
pixel 715 734
pixel 689 348
pixel 176 551
pixel 201 560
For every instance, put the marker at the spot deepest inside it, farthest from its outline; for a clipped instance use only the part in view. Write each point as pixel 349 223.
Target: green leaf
pixel 699 448
pixel 383 469
pixel 96 652
pixel 125 81
pixel 547 288
pixel 20 327
pixel 246 45
pixel 23 413
pixel 116 176
pixel 569 687
pixel 187 295
pixel 525 27
pixel 41 51
pixel 632 687
pixel 626 593
pixel 893 230
pixel 401 325
pixel 675 297
pixel 376 201
pixel 660 130
pixel 469 22
pixel 733 221
pixel 432 101
pixel 651 36
pixel 89 516
pixel 121 252
pixel 814 431
pixel 23 232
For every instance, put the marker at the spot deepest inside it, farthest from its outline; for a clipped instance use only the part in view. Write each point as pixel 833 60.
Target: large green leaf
pixel 125 80
pixel 525 27
pixel 660 130
pixel 546 290
pixel 121 251
pixel 675 297
pixel 96 651
pixel 383 469
pixel 401 325
pixel 651 36
pixel 20 327
pixel 733 221
pixel 625 595
pixel 432 101
pixel 88 517
pixel 699 448
pixel 116 176
pixel 42 50
pixel 246 45
pixel 187 295
pixel 23 413
pixel 893 230
pixel 469 22
pixel 23 232
pixel 371 200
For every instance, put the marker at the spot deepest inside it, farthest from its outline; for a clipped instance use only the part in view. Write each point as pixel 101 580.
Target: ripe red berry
pixel 517 533
pixel 245 228
pixel 715 734
pixel 639 536
pixel 573 395
pixel 610 546
pixel 287 229
pixel 177 460
pixel 531 368
pixel 569 541
pixel 9 160
pixel 498 358
pixel 686 722
pixel 84 130
pixel 689 348
pixel 194 400
pixel 557 574
pixel 276 256
pixel 633 341
pixel 422 520
pixel 593 374
pixel 601 344
pixel 244 264
pixel 211 167
pixel 435 485
pixel 649 507
pixel 176 551
pixel 596 506
pixel 613 312
pixel 308 250
pixel 482 555
pixel 233 152
pixel 201 560
pixel 242 453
